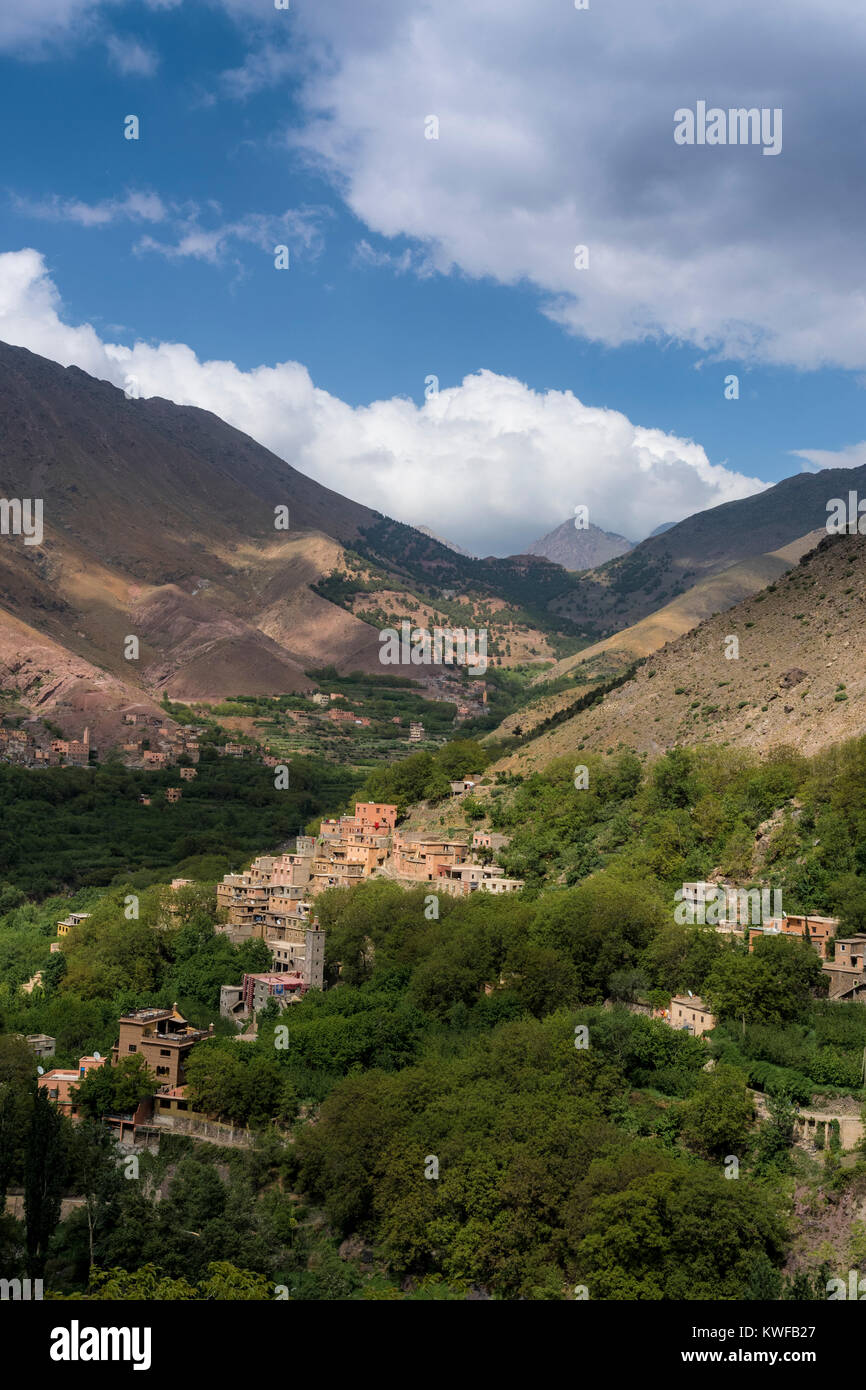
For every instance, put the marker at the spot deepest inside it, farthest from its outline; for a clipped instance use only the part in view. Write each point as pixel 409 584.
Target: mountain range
pixel 163 523
pixel 659 569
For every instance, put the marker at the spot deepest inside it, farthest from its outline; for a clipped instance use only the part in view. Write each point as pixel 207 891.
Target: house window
pixel 131 1047
pixel 162 1071
pixel 165 1052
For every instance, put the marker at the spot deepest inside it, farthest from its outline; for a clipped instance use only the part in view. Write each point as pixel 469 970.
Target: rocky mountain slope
pixel 160 523
pixel 714 594
pixel 796 674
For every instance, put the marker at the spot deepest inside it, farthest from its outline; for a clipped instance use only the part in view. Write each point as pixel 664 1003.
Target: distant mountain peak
pixel 582 549
pixel 449 545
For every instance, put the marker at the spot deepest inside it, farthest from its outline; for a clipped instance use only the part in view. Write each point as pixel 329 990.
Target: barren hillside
pixel 799 677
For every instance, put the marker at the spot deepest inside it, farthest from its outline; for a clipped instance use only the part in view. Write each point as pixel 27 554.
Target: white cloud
pixel 132 58
pixel 135 206
pixel 556 129
pixel 489 463
pixel 296 228
pixel 32 27
pixel 49 27
pixel 853 456
pixel 401 263
pixel 264 67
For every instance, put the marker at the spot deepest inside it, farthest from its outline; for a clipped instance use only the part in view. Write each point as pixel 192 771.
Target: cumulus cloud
pixel 488 463
pixel 556 129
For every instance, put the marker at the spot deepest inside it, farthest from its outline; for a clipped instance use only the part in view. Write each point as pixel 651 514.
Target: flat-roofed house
pixel 847 969
pixel 73 920
pixel 459 880
pixel 818 931
pixel 162 1037
pixel 60 1082
pixel 421 857
pixel 489 839
pixel 373 815
pixel 691 1014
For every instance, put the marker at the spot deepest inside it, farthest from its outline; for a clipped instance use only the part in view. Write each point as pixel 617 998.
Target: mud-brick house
pixel 163 1038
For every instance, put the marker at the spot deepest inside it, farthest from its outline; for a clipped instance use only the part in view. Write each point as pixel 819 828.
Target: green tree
pixel 718 1117
pixel 110 1090
pixel 92 1163
pixel 17 1094
pixel 44 1173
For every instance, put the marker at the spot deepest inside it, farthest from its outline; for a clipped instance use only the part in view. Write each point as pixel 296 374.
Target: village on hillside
pixel 328 722
pixel 273 901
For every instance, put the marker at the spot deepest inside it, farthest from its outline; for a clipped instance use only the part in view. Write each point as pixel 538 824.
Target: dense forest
pixel 491 1113
pixel 66 828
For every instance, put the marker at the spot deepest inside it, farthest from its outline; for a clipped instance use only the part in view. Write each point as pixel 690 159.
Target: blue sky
pixel 251 135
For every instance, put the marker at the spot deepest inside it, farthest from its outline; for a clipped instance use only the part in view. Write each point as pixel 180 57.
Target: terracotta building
pixel 59 1083
pixel 818 931
pixel 162 1037
pixel 375 814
